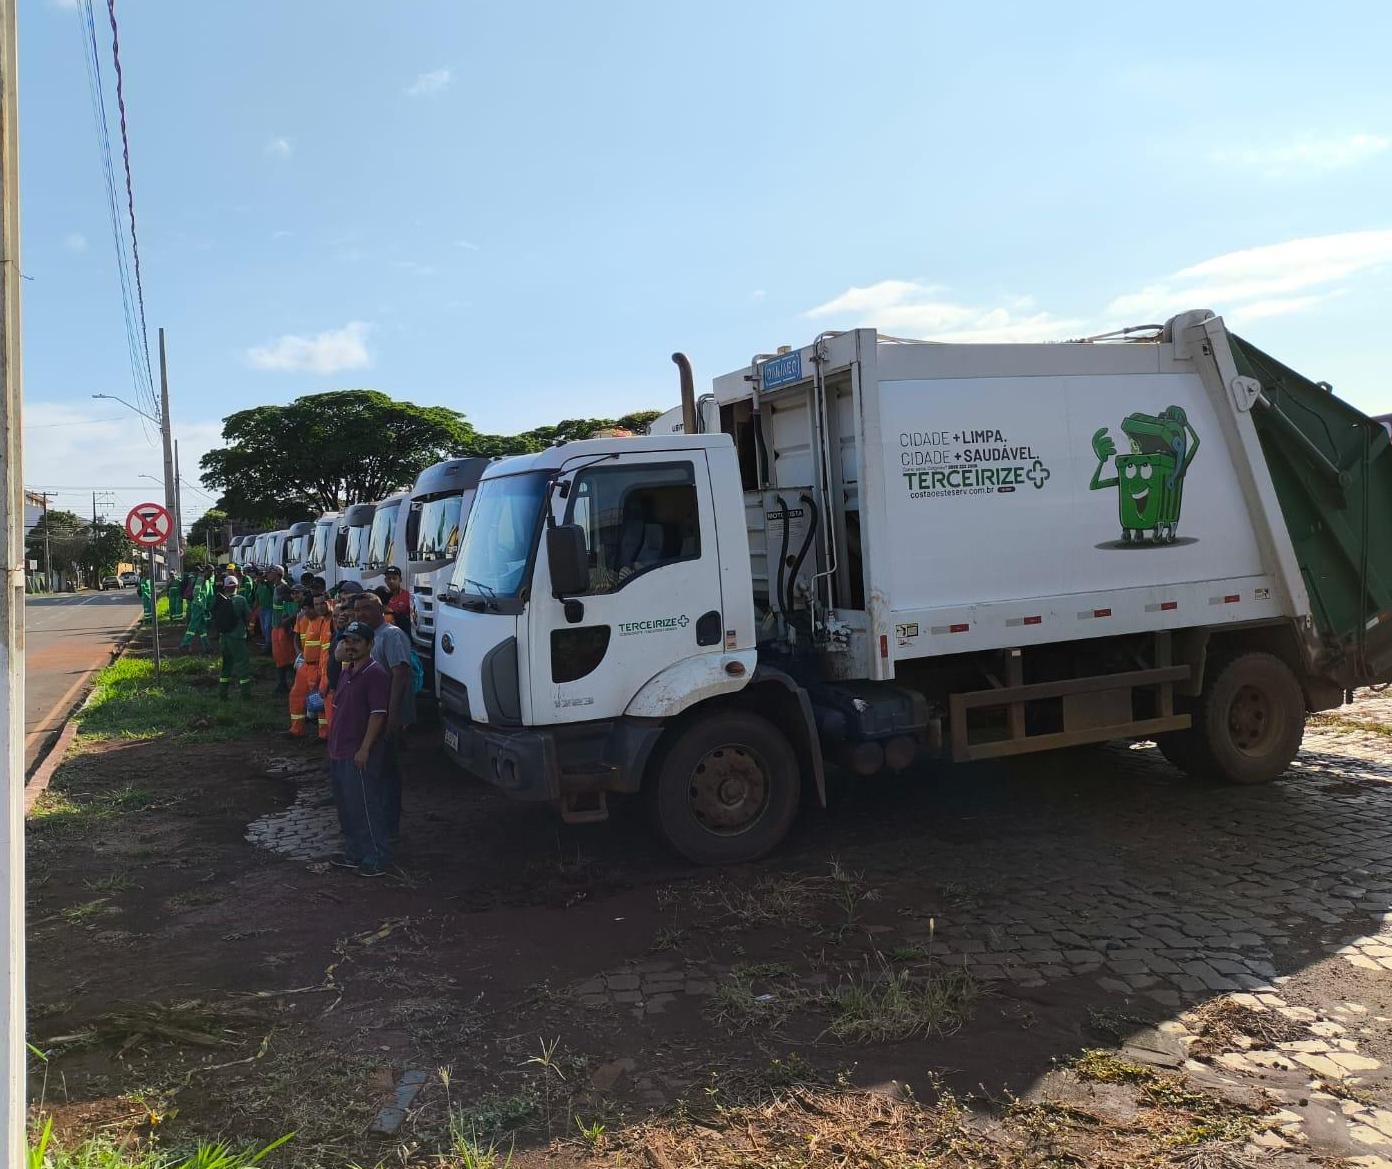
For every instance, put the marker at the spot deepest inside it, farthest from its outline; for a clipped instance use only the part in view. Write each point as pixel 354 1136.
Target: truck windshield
pixel 357 545
pixel 380 542
pixel 319 546
pixel 294 549
pixel 500 535
pixel 439 529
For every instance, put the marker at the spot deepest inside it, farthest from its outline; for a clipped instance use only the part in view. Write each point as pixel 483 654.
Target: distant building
pixel 33 510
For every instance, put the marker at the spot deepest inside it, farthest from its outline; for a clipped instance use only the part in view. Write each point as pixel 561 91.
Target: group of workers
pixel 345 664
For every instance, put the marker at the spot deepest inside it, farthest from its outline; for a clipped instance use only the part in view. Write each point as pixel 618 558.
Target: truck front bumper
pixel 554 764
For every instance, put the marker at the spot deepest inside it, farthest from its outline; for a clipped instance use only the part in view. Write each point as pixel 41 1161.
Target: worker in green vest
pixel 230 616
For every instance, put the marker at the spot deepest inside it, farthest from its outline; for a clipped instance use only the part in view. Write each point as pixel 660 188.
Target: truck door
pixel 654 597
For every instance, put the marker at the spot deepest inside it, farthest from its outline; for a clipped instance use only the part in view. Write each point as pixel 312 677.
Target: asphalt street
pixel 67 636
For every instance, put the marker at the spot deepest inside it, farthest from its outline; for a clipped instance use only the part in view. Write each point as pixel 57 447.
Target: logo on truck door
pixel 1149 478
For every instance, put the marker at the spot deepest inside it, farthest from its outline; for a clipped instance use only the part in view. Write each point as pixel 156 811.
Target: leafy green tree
pixel 320 452
pixel 195 556
pixel 107 545
pixel 211 524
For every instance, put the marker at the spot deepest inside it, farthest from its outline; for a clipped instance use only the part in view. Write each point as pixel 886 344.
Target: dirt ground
pixel 1080 959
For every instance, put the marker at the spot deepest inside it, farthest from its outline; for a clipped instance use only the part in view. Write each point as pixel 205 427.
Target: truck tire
pixel 726 789
pixel 1247 724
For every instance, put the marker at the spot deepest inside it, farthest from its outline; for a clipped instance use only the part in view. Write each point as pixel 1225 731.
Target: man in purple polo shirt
pixel 357 754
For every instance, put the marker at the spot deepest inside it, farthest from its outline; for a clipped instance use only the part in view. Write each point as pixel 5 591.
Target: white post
pixel 172 557
pixel 11 608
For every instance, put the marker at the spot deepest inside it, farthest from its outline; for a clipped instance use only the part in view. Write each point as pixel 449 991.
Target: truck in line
pixel 438 508
pixel 894 549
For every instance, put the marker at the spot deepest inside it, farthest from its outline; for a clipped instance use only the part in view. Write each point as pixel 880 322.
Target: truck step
pixel 584 808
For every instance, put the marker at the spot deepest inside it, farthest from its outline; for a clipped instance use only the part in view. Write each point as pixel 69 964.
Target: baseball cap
pixel 391 570
pixel 358 629
pixel 350 586
pixel 229 581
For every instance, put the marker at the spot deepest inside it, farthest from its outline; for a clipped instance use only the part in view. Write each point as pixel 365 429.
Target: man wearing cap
pixel 357 754
pixel 397 600
pixel 230 616
pixel 391 649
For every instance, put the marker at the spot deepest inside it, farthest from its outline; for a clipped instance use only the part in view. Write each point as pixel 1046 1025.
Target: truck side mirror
pixel 569 559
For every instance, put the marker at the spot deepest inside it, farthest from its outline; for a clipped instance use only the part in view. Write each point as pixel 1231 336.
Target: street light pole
pixel 173 558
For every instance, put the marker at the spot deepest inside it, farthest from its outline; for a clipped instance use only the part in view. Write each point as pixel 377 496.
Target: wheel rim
pixel 1254 720
pixel 729 790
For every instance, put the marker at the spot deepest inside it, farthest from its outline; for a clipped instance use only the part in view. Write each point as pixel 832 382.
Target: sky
pixel 520 210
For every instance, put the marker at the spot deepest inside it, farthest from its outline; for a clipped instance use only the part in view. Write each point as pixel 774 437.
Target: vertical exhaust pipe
pixel 688 393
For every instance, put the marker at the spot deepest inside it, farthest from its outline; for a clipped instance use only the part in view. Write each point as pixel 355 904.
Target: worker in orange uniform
pixel 313 630
pixel 328 676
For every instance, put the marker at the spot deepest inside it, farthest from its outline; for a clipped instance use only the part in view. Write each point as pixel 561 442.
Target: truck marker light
pixel 1163 607
pixel 1012 622
pixel 958 628
pixel 884 645
pixel 1232 598
pixel 1101 612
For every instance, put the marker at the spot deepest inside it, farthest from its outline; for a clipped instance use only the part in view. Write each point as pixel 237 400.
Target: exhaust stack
pixel 688 393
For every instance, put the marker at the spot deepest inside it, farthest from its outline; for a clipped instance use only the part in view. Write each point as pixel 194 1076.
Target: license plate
pixel 452 739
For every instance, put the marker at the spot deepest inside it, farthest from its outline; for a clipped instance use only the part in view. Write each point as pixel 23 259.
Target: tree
pixel 195 556
pixel 323 451
pixel 77 547
pixel 211 524
pixel 107 545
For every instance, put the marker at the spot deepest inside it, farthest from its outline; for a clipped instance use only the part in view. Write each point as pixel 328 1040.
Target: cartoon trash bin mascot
pixel 1149 479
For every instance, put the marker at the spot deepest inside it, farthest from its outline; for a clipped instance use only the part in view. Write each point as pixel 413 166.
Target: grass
pixel 128 703
pixel 887 1005
pixel 106 1153
pixel 1344 723
pixel 60 810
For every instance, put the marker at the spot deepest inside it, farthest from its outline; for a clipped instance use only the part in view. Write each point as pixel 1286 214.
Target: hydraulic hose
pixel 783 555
pixel 806 544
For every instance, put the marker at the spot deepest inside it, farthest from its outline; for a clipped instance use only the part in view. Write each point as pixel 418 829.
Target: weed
pixel 886 1004
pixel 1106 1067
pixel 1344 723
pixel 79 914
pixel 848 892
pixel 550 1066
pixel 738 1006
pixel 669 937
pixel 592 1134
pixel 493 1116
pixel 115 883
pixel 1217 1023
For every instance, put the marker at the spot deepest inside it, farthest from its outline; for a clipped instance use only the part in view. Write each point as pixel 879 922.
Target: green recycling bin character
pixel 1150 478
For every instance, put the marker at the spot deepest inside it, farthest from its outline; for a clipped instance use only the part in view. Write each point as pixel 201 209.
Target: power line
pixel 142 382
pixel 130 188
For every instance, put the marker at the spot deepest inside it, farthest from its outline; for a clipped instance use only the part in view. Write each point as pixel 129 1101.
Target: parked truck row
pixel 869 551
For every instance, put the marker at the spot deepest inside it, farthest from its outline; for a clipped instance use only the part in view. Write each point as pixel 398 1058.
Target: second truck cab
pixel 356 525
pixel 386 542
pixel 440 505
pixel 297 548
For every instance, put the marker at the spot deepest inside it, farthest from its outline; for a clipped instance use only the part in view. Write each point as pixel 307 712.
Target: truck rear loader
pixel 894 549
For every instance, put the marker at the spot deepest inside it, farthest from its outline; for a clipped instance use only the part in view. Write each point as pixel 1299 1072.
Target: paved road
pixel 66 637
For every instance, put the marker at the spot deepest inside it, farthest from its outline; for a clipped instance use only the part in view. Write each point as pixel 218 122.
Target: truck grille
pixel 454 698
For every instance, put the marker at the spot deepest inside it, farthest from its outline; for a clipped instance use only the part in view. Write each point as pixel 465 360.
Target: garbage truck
pixel 439 509
pixel 322 556
pixel 893 550
pixel 385 541
pixel 352 551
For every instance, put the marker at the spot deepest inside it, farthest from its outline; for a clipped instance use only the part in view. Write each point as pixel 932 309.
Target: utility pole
pixel 173 560
pixel 48 548
pixel 12 1089
pixel 178 509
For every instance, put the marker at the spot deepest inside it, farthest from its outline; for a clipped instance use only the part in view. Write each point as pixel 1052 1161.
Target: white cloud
pixel 281 233
pixel 327 352
pixel 436 81
pixel 414 267
pixel 1305 156
pixel 1249 277
pixel 466 245
pixel 75 241
pixel 758 295
pixel 279 148
pixel 919 309
pixel 63 3
pixel 74 449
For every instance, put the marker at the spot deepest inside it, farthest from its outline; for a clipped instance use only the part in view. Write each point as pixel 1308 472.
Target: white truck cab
pixel 441 500
pixel 386 539
pixel 297 541
pixel 322 555
pixel 563 697
pixel 357 526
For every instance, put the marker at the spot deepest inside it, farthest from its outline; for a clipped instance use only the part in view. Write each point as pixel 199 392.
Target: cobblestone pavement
pixel 1173 907
pixel 308 829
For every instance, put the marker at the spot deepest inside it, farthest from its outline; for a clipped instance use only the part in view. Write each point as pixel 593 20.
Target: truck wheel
pixel 1247 725
pixel 726 790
